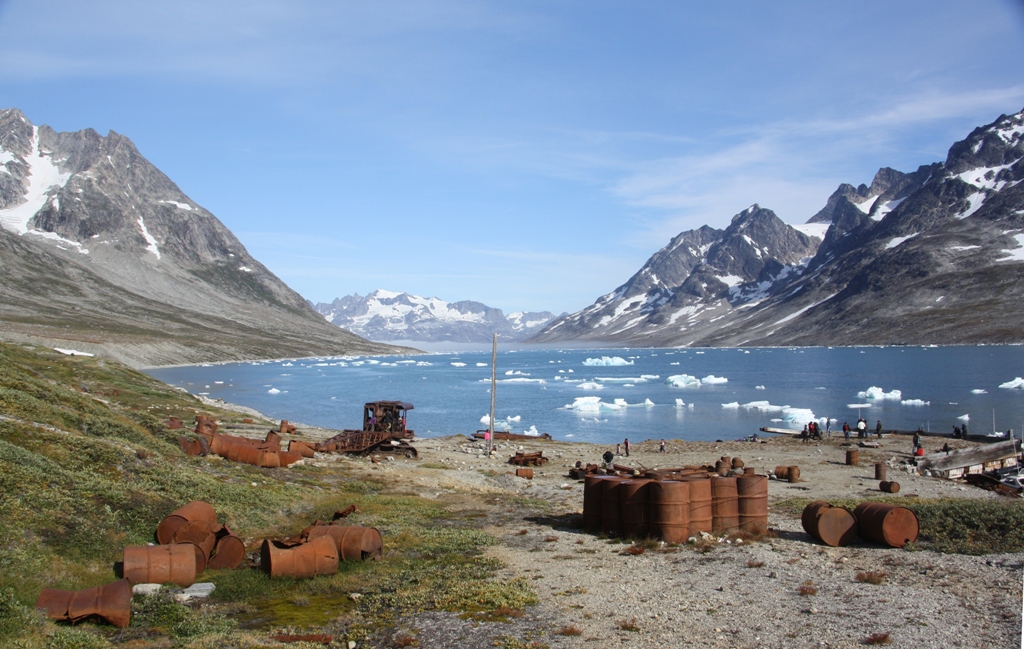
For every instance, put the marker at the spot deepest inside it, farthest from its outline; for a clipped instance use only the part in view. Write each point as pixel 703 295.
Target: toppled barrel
pixel 318 557
pixel 890 525
pixel 354 542
pixel 229 551
pixel 197 510
pixel 160 564
pixel 302 448
pixel 889 487
pixel 835 526
pixel 202 537
pixel 111 602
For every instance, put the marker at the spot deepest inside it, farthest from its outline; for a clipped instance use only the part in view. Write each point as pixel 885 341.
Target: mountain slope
pixel 389 316
pixel 931 257
pixel 102 250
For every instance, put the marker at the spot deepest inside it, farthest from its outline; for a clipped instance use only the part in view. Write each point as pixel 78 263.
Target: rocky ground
pixel 713 593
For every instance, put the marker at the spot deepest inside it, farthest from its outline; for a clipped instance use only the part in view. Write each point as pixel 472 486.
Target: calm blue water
pixel 451 391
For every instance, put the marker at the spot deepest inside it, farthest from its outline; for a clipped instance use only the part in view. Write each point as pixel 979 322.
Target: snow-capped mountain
pixel 388 316
pixel 934 256
pixel 101 250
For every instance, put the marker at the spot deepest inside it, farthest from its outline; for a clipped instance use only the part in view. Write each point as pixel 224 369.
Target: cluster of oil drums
pixel 266 453
pixel 890 525
pixel 190 540
pixel 673 506
pixel 318 549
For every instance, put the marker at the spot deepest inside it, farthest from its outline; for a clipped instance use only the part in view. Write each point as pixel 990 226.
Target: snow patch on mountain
pixel 44 178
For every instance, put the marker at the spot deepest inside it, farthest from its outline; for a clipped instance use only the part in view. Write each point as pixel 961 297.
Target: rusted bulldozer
pixel 384 431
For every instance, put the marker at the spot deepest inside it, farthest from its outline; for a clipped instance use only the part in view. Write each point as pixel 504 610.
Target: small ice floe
pixel 683 381
pixel 979 391
pixel 711 379
pixel 733 405
pixel 964 417
pixel 273 391
pixel 915 402
pixel 1016 384
pixel 680 403
pixel 759 387
pixel 458 364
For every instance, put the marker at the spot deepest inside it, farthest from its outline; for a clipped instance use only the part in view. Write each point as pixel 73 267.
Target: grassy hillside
pixel 89 466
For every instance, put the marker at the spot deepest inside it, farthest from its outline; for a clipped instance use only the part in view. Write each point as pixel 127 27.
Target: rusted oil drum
pixel 749 470
pixel 318 557
pixel 889 487
pixel 834 526
pixel 302 448
pixel 202 537
pixel 752 495
pixel 268 459
pixel 197 510
pixel 701 516
pixel 111 602
pixel 725 513
pixel 722 468
pixel 670 510
pixel 782 472
pixel 611 509
pixel 793 473
pixel 228 553
pixel 737 463
pixel 880 470
pixel 354 542
pixel 890 525
pixel 288 457
pixel 634 499
pixel 592 493
pixel 852 457
pixel 273 438
pixel 160 564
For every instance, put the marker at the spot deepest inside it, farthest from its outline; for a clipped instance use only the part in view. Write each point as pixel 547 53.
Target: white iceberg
pixel 458 364
pixel 590 385
pixel 711 379
pixel 273 391
pixel 878 394
pixel 680 403
pixel 979 391
pixel 683 381
pixel 1016 384
pixel 607 361
pixel 964 417
pixel 915 402
pixel 734 405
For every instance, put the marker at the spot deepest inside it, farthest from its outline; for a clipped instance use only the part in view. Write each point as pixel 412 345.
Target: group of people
pixel 813 430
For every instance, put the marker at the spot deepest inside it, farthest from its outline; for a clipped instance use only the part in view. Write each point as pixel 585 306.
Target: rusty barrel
pixel 890 525
pixel 592 495
pixel 835 526
pixel 197 510
pixel 737 463
pixel 302 448
pixel 722 468
pixel 634 500
pixel 725 513
pixel 229 551
pixel 318 557
pixel 202 536
pixel 889 487
pixel 273 437
pixel 268 459
pixel 852 457
pixel 782 472
pixel 749 470
pixel 752 495
pixel 611 509
pixel 793 473
pixel 111 602
pixel 289 457
pixel 670 510
pixel 525 473
pixel 701 516
pixel 160 564
pixel 879 470
pixel 354 542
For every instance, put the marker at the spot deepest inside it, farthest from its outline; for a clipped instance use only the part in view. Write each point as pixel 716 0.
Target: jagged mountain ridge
pixel 89 226
pixel 389 316
pixel 931 257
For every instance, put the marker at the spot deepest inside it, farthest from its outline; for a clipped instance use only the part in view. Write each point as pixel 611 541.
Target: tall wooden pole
pixel 494 384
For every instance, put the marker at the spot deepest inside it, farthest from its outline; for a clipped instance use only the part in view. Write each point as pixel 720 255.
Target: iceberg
pixel 458 364
pixel 590 385
pixel 879 394
pixel 683 381
pixel 733 405
pixel 915 402
pixel 711 379
pixel 273 391
pixel 607 361
pixel 979 391
pixel 680 403
pixel 1016 384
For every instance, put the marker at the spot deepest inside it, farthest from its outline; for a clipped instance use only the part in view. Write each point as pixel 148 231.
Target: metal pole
pixel 494 384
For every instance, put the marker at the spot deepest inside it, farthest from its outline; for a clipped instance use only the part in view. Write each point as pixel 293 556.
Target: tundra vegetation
pixel 90 466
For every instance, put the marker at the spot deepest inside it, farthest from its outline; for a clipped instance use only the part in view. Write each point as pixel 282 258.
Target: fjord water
pixel 451 391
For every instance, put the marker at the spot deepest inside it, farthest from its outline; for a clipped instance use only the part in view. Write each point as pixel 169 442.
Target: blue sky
pixel 529 155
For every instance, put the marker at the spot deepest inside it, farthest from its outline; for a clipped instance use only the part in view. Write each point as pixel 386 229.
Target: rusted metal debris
pixel 837 526
pixel 174 423
pixel 524 473
pixel 195 524
pixel 160 564
pixel 351 543
pixel 523 458
pixel 317 638
pixel 111 603
pixel 384 430
pixel 286 428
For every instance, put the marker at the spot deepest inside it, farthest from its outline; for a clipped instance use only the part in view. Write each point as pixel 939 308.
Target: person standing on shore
pixel 828 427
pixel 625 445
pixel 846 430
pixel 878 429
pixel 661 447
pixel 917 441
pixel 618 449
